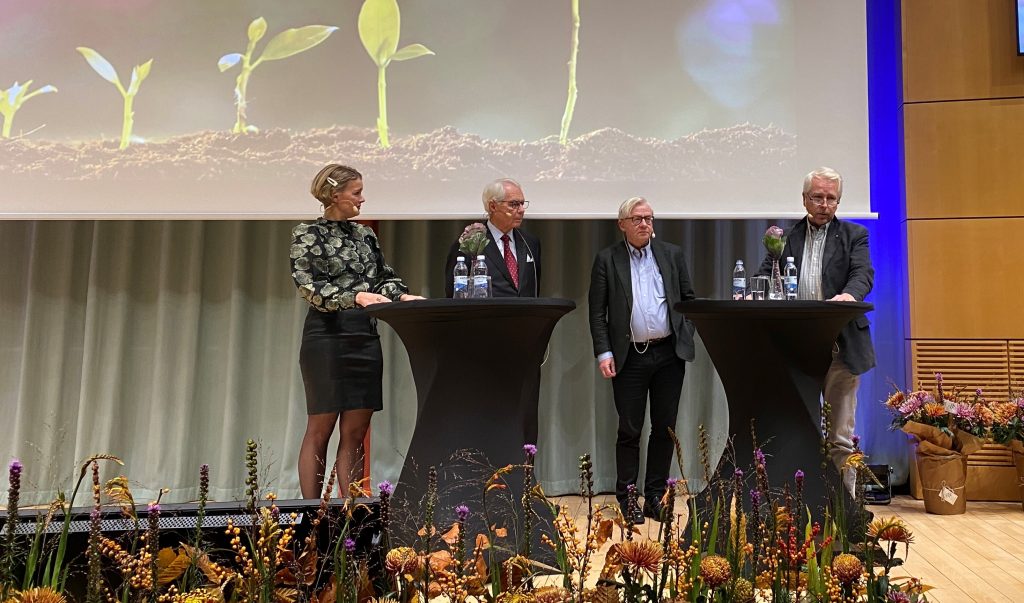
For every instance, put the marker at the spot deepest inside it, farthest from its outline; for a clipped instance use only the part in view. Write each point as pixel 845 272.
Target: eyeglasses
pixel 517 205
pixel 822 201
pixel 638 220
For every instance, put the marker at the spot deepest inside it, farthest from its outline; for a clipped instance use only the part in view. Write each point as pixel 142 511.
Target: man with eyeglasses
pixel 834 264
pixel 642 346
pixel 513 255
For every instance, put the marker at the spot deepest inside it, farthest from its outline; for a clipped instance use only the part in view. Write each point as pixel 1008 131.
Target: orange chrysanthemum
pixel 402 560
pixel 639 555
pixel 552 594
pixel 934 410
pixel 895 401
pixel 890 529
pixel 715 570
pixel 38 595
pixel 847 568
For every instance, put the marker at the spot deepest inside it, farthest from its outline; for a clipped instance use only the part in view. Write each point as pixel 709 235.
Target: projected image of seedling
pixel 107 72
pixel 570 101
pixel 283 45
pixel 379 28
pixel 13 98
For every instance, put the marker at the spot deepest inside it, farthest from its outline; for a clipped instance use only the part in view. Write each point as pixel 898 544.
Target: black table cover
pixel 772 357
pixel 476 364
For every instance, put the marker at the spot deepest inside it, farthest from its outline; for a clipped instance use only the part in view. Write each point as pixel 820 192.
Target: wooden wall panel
pixel 965 365
pixel 964 159
pixel 960 49
pixel 966 278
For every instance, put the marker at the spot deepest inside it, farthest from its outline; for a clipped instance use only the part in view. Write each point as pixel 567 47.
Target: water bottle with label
pixel 481 282
pixel 789 279
pixel 460 290
pixel 739 281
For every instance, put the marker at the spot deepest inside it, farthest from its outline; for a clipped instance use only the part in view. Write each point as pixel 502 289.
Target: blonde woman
pixel 338 268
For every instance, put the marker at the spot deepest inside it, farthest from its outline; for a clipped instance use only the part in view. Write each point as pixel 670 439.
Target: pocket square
pixel 529 258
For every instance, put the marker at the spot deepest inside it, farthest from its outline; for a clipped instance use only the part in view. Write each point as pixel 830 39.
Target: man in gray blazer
pixel 642 345
pixel 834 264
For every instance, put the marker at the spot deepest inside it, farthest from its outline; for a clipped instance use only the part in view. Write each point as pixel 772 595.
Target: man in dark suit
pixel 834 264
pixel 513 256
pixel 642 346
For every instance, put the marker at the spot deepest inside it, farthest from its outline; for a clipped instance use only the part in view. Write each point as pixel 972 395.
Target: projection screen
pixel 709 108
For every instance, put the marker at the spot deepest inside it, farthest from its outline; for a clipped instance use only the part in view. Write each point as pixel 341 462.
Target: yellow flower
pixel 402 560
pixel 38 595
pixel 890 530
pixel 847 568
pixel 715 570
pixel 639 555
pixel 744 591
pixel 552 594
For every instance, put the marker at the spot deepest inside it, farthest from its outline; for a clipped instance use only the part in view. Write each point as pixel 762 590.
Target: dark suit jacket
pixel 527 248
pixel 845 268
pixel 611 299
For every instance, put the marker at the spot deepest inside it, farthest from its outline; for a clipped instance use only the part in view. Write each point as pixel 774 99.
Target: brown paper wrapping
pixel 928 433
pixel 942 462
pixel 938 471
pixel 1017 447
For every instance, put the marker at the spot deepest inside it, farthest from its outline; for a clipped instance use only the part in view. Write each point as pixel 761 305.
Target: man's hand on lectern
pixel 842 297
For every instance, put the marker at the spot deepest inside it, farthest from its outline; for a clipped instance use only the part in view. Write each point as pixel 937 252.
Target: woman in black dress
pixel 339 269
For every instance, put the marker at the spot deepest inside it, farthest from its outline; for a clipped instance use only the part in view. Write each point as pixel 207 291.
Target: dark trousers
pixel 658 372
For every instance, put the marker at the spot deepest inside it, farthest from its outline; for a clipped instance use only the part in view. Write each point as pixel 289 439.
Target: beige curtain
pixel 169 343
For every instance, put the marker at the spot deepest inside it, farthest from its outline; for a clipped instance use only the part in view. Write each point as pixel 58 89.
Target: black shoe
pixel 634 516
pixel 653 510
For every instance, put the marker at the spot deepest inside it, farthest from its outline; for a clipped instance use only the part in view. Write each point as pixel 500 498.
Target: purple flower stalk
pixel 799 476
pixel 350 545
pixel 462 512
pixel 385 488
pixel 938 378
pixel 755 497
pixel 977 392
pixel 530 450
pixel 856 441
pixel 15 469
pixel 671 483
pixel 153 507
pixel 738 474
pixel 758 456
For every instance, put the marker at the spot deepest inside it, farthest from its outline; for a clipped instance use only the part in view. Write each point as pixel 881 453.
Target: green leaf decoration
pixel 257 29
pixel 101 65
pixel 411 52
pixel 294 41
pixel 379 25
pixel 228 61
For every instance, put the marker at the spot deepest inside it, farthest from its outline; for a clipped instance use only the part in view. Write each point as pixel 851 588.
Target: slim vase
pixel 775 290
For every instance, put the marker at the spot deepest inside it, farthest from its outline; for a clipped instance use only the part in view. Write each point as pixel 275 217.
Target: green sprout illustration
pixel 107 72
pixel 570 102
pixel 283 45
pixel 12 99
pixel 379 27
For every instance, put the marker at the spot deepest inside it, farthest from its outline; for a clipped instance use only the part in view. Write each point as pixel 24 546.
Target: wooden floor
pixel 975 557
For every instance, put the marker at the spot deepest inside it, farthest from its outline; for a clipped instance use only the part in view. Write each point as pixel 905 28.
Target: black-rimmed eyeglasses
pixel 638 220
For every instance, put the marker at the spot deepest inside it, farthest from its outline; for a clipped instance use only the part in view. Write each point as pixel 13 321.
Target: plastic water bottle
pixel 789 280
pixel 739 281
pixel 461 285
pixel 481 284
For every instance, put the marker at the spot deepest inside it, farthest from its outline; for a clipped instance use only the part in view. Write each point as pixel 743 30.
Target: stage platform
pixel 972 558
